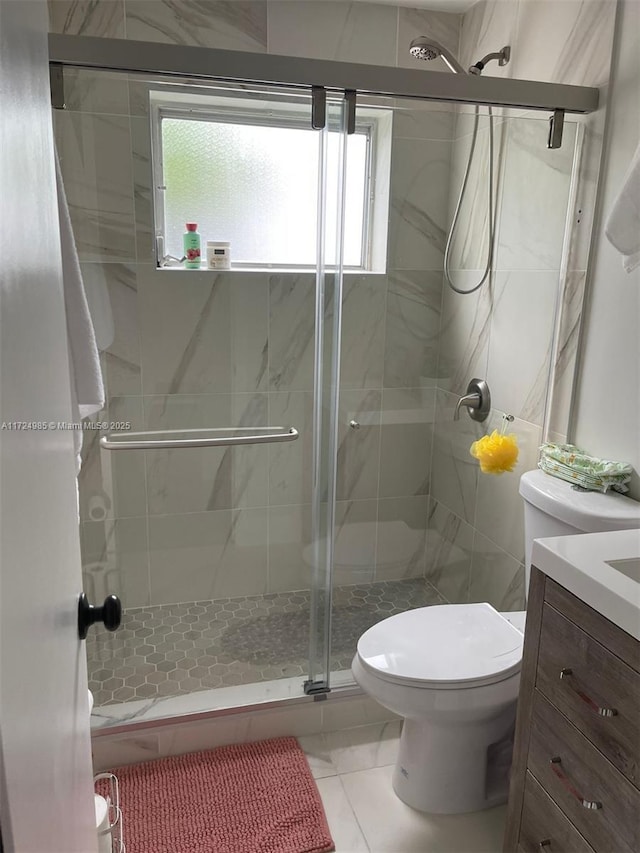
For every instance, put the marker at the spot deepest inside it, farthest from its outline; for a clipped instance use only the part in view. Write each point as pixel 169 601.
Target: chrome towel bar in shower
pixel 149 440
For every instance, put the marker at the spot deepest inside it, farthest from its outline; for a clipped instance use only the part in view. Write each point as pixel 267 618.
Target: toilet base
pixel 454 769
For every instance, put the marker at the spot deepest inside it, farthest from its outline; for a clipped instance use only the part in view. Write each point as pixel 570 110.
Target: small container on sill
pixel 218 255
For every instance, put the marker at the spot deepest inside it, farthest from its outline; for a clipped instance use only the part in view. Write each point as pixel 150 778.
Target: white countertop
pixel 579 564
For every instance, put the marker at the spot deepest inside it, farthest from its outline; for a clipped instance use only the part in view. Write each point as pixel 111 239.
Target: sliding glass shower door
pixel 416 522
pixel 333 216
pixel 220 550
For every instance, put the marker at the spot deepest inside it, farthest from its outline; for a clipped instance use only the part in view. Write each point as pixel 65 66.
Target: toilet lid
pixel 444 645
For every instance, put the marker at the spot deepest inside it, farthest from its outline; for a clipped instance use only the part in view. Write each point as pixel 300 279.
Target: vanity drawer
pixel 544 827
pixel 575 774
pixel 594 688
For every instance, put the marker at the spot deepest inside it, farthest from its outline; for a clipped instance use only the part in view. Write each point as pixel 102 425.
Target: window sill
pixel 270 270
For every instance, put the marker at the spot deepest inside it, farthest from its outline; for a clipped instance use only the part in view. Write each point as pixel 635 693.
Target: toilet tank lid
pixel 590 512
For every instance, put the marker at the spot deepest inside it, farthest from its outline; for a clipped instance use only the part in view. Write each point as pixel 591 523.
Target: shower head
pixel 426 48
pixel 422 48
pixel 502 56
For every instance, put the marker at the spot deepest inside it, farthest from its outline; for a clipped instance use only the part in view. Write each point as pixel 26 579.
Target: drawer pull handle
pixel 602 712
pixel 586 804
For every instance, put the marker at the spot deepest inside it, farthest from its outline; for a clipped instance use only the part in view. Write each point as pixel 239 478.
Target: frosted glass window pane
pixel 256 186
pixel 354 219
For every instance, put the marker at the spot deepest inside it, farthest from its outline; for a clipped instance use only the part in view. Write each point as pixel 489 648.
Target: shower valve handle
pixel 471 401
pixel 477 400
pixel 110 614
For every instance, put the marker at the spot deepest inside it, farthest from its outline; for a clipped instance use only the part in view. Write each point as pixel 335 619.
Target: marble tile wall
pixel 520 331
pixel 197 349
pixel 364 32
pixel 577 42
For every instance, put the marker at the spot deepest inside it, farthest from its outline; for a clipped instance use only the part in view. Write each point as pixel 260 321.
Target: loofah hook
pixel 506 419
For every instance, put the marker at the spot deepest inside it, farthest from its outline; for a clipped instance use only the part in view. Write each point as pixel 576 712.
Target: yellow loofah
pixel 496 453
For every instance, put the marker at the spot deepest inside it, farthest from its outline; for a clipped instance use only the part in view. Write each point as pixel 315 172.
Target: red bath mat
pixel 247 798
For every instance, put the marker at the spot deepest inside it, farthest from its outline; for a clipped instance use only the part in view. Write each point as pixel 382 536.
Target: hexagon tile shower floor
pixel 172 649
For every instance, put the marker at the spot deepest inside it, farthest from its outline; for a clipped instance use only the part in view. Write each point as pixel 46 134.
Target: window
pixel 246 171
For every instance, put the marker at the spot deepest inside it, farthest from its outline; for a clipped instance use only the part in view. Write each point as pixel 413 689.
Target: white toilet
pixel 453 671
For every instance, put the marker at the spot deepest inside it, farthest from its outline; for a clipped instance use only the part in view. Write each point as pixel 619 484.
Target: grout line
pixel 353 811
pixel 397 35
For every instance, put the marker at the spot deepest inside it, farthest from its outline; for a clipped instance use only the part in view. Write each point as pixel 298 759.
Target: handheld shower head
pixel 428 49
pixel 422 48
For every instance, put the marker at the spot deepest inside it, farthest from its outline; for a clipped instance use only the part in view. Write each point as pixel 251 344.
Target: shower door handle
pixel 197 438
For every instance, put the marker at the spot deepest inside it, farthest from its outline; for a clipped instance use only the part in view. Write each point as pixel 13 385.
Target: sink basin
pixel 630 568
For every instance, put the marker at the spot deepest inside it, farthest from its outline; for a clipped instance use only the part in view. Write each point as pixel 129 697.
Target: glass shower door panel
pixel 329 289
pixel 416 523
pixel 209 548
pixel 390 328
pixel 518 332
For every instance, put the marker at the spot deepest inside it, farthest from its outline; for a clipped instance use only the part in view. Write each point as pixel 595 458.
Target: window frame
pixel 221 107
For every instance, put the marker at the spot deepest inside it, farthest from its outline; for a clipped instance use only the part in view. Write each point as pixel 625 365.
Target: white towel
pixel 99 302
pixel 87 388
pixel 623 223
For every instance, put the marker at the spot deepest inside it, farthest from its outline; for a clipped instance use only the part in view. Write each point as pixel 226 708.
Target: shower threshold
pixel 217 702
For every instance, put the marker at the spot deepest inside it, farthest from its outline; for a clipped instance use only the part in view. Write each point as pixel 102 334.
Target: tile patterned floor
pixel 353 769
pixel 174 649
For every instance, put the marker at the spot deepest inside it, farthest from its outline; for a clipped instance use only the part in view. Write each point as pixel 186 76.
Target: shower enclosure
pixel 281 458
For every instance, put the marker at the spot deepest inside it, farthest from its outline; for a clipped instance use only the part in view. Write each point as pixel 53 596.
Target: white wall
pixel 607 413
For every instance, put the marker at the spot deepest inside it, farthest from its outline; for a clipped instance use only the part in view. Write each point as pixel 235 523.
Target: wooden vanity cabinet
pixel 575 780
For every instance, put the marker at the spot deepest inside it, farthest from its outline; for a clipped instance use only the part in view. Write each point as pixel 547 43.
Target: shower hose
pixel 456 215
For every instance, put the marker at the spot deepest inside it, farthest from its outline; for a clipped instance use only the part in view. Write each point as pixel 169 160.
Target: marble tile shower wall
pixel 193 349
pixel 322 29
pixel 505 332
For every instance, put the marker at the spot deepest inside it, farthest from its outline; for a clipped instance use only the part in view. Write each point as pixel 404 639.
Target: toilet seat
pixel 443 646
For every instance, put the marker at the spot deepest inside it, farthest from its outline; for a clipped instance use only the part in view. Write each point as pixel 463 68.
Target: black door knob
pixel 110 614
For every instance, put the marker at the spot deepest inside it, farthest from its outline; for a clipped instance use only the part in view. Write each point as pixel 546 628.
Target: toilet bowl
pixel 452 671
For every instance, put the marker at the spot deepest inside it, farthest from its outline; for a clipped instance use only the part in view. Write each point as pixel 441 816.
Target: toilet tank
pixel 553 507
